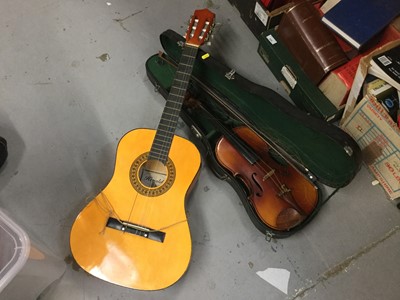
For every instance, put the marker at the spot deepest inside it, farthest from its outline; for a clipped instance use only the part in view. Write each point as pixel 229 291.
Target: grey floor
pixel 63 108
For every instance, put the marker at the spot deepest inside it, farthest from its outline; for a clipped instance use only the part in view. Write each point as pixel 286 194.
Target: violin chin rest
pixel 288 218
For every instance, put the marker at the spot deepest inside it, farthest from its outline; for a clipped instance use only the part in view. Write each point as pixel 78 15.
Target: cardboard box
pixel 379 139
pixel 359 78
pixel 374 130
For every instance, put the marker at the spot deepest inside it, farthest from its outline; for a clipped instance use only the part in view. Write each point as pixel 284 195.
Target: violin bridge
pixel 269 174
pixel 284 190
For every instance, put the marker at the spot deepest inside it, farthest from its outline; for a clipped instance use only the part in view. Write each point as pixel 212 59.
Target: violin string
pixel 282 188
pixel 274 178
pixel 238 116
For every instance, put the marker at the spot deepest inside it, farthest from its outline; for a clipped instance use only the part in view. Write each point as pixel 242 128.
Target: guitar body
pixel 134 235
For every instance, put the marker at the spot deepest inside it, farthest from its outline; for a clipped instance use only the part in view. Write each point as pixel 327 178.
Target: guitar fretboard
pixel 169 118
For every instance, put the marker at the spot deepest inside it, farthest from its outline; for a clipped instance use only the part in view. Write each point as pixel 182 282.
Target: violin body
pixel 267 181
pixel 302 150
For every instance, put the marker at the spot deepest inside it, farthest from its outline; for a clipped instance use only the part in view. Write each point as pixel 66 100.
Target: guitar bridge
pixel 135 229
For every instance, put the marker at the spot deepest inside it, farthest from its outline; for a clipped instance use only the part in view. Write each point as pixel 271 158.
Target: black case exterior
pixel 205 138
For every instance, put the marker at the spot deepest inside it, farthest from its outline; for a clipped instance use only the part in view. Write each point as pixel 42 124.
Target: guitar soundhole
pixel 153 173
pixel 151 177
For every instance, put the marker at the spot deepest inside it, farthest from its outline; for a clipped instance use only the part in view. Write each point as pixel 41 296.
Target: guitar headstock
pixel 200 25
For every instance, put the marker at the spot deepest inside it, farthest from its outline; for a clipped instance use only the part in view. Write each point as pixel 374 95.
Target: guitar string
pixel 176 103
pixel 134 200
pixel 109 209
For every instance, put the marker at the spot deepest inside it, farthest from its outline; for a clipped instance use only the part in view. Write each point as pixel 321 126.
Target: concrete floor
pixel 63 110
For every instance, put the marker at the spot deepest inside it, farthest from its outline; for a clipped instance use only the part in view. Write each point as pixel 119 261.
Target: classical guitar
pixel 135 232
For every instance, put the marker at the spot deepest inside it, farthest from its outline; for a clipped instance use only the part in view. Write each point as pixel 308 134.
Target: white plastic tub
pixel 27 268
pixel 14 249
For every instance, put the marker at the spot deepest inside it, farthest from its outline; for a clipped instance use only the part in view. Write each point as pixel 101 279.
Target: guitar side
pixel 149 259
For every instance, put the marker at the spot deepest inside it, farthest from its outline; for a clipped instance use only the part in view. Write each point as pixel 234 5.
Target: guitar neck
pixel 169 119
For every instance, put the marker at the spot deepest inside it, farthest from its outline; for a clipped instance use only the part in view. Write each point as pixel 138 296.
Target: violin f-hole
pixel 260 191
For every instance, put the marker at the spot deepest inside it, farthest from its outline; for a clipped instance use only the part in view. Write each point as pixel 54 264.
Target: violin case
pixel 319 151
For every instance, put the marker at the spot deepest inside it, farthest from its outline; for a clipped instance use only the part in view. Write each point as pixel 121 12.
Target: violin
pixel 281 196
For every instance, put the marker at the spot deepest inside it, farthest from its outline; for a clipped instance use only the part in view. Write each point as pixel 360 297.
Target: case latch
pixel 230 75
pixel 196 132
pixel 269 236
pixel 310 175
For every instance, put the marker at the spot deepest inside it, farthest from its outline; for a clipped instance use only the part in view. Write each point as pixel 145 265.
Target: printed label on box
pixel 289 76
pixel 261 14
pixel 271 39
pixel 379 139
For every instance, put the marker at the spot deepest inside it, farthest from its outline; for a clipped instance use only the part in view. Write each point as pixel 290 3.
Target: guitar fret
pixel 162 141
pixel 183 82
pixel 173 108
pixel 162 134
pixel 159 145
pixel 173 94
pixel 165 115
pixel 180 81
pixel 178 88
pixel 166 130
pixel 165 134
pixel 161 155
pixel 165 125
pixel 161 150
pixel 170 119
pixel 182 73
pixel 174 105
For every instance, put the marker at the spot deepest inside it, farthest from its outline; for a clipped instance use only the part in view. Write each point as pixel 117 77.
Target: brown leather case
pixel 310 41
